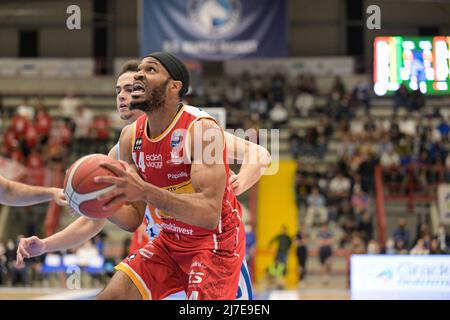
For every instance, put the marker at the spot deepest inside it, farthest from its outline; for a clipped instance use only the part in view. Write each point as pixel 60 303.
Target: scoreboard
pixel 420 63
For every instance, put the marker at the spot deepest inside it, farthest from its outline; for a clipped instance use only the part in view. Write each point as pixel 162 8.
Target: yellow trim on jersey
pixel 181 186
pixel 134 277
pixel 167 130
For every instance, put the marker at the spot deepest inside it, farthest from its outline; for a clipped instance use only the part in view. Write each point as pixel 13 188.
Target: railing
pixel 410 183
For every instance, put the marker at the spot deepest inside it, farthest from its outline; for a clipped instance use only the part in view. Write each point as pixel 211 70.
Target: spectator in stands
pixel 357 127
pixel 215 95
pixel 325 241
pixel 435 247
pixel 100 134
pixel 284 243
pixel 25 109
pixel 390 158
pixel 278 83
pixel 338 86
pixel 417 100
pixel 303 103
pixel 420 248
pixel 360 201
pixel 373 247
pixel 304 93
pixel 365 227
pixel 300 189
pixel 422 232
pixel 294 143
pixel 394 131
pixel 400 247
pixel 443 238
pixel 401 233
pixel 234 94
pixel 407 126
pixel 339 188
pixel 301 243
pixel 370 127
pixel 390 247
pixel 361 95
pixel 384 146
pixel 437 152
pixel 444 128
pixel 357 245
pixel 367 172
pixel 325 127
pixel 401 98
pixel 83 125
pixel 316 207
pixel 349 229
pixel 346 147
pixel 69 105
pixel 43 122
pixel 278 115
pixel 259 105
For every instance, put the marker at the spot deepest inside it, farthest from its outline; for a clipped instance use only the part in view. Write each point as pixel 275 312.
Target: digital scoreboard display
pixel 418 62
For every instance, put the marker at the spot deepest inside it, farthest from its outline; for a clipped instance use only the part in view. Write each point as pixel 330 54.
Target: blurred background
pixel 359 90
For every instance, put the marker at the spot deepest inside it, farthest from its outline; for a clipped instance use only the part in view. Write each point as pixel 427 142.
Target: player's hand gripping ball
pixel 81 190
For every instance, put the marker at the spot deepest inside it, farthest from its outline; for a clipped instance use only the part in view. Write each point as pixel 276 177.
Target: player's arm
pixel 208 177
pixel 130 216
pixel 74 235
pixel 255 159
pixel 18 194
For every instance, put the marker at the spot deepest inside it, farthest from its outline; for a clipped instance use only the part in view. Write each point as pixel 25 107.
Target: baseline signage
pixel 400 276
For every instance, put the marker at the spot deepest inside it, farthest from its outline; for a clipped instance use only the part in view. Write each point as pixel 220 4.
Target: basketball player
pixel 83 228
pixel 17 194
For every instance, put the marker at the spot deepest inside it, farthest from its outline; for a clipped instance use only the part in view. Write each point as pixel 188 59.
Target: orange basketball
pixel 82 191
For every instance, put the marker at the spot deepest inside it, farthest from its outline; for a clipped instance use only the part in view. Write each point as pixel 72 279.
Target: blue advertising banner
pixel 214 29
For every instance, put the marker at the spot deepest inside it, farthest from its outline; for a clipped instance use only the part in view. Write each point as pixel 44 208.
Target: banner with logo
pixel 214 29
pixel 444 203
pixel 400 276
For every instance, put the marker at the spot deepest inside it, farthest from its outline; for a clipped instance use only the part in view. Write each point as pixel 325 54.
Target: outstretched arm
pixel 73 236
pixel 20 195
pixel 255 159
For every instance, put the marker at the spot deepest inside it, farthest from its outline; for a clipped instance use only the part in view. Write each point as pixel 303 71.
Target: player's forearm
pixel 191 208
pixel 255 159
pixel 19 194
pixel 129 217
pixel 251 170
pixel 74 235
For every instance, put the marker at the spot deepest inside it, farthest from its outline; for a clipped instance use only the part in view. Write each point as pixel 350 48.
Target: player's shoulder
pixel 195 111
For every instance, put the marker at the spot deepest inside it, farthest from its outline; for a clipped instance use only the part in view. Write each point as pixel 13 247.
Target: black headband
pixel 175 67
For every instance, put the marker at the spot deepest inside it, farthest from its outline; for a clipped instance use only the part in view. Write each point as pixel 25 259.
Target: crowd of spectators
pixel 36 139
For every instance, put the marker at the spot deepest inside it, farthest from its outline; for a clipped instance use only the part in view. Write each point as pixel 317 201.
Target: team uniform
pixel 206 264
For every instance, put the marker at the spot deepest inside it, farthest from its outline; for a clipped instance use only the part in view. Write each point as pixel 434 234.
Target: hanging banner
pixel 214 29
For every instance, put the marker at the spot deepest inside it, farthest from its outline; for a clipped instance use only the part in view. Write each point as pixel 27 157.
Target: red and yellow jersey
pixel 164 161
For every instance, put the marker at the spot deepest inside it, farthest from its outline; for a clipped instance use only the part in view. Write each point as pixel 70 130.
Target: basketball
pixel 82 191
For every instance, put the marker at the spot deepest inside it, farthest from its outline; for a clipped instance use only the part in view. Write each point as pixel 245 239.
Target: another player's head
pixel 161 79
pixel 124 87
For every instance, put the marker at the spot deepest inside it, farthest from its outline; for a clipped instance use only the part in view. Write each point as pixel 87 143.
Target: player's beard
pixel 155 101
